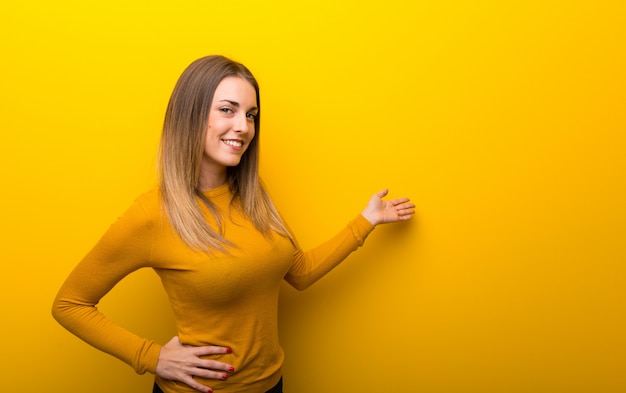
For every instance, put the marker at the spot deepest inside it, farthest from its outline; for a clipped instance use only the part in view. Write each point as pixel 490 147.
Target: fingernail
pixel 232 369
pixel 210 391
pixel 228 350
pixel 224 376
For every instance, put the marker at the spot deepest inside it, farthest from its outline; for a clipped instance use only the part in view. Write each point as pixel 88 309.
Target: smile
pixel 233 142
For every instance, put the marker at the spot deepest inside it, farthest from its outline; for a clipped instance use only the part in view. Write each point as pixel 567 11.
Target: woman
pixel 214 237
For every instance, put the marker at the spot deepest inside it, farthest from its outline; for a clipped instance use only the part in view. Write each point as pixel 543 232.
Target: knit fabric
pixel 226 299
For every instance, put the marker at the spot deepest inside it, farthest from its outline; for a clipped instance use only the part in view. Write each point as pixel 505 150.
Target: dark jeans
pixel 276 389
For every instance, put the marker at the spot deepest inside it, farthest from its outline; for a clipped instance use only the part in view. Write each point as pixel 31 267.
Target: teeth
pixel 233 143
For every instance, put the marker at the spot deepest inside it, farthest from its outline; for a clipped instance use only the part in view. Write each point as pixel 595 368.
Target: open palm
pixel 379 211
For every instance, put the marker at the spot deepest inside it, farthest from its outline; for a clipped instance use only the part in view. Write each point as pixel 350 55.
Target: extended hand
pixel 378 211
pixel 181 363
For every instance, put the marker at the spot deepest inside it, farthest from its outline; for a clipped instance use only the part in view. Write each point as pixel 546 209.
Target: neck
pixel 210 180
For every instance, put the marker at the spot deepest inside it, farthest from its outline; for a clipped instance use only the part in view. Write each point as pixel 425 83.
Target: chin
pixel 232 163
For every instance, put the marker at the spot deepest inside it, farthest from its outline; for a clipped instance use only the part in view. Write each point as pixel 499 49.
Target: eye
pixel 226 109
pixel 251 116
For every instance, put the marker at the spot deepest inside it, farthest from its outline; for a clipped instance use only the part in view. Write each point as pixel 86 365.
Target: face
pixel 231 125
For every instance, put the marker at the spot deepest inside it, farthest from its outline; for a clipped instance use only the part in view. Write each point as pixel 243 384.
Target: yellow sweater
pixel 226 299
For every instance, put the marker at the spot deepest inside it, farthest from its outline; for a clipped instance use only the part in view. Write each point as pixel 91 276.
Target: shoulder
pixel 145 211
pixel 150 201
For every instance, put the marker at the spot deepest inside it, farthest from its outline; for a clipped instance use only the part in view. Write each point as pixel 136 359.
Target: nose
pixel 242 124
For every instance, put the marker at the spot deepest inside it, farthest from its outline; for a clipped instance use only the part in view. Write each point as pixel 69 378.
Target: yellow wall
pixel 504 121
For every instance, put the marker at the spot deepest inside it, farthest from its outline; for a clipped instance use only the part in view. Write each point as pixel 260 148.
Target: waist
pixel 278 388
pixel 234 384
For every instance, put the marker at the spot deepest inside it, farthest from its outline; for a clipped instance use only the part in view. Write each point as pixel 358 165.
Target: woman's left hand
pixel 378 211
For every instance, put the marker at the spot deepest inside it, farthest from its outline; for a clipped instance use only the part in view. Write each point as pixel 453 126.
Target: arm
pixel 310 266
pixel 124 248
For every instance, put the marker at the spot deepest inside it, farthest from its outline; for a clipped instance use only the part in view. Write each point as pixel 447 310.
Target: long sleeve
pixel 124 248
pixel 310 266
pixel 227 299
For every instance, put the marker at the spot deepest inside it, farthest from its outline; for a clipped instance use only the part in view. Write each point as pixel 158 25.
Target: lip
pixel 235 140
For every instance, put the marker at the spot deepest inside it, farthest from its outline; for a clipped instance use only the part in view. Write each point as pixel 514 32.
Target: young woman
pixel 212 234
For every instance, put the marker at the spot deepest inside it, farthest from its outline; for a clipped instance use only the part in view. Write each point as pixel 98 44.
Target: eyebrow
pixel 236 104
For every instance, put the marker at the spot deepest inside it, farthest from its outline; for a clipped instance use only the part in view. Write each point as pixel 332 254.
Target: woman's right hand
pixel 181 363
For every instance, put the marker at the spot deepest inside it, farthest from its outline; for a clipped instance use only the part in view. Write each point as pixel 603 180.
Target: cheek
pixel 250 141
pixel 212 132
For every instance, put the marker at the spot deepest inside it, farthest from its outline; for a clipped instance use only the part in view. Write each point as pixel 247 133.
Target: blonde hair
pixel 181 151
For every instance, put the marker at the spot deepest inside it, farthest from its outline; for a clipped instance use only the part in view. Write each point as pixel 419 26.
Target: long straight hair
pixel 180 156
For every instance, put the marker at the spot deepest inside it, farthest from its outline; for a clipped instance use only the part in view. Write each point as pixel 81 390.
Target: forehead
pixel 234 88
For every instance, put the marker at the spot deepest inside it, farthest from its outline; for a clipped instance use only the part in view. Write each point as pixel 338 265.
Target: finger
pixel 404 205
pixel 381 194
pixel 197 386
pixel 399 201
pixel 209 374
pixel 405 208
pixel 405 213
pixel 210 350
pixel 216 365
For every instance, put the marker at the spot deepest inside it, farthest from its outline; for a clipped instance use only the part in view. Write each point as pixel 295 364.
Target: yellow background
pixel 504 121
